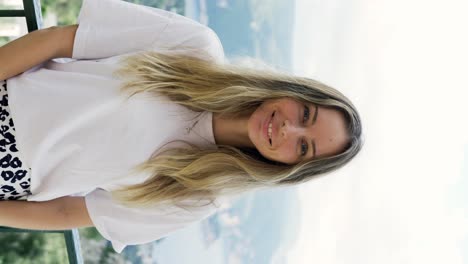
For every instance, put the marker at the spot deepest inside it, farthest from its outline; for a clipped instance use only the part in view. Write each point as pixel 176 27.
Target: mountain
pixel 254 28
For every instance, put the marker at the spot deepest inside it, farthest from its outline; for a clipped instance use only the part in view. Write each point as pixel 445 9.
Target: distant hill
pixel 255 28
pixel 268 223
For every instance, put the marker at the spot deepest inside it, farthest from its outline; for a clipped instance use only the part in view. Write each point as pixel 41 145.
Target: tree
pixel 21 247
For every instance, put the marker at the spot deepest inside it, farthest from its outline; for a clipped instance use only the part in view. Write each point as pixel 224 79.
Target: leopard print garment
pixel 15 176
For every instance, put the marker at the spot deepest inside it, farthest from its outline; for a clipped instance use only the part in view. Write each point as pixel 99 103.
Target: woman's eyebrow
pixel 315 115
pixel 313 148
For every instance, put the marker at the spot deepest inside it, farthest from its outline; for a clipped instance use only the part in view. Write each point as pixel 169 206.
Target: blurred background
pixel 403 200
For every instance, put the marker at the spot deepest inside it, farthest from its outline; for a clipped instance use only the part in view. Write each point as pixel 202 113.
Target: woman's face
pixel 298 131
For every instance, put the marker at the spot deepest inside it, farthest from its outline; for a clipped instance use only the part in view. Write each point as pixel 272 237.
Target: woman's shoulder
pixel 186 35
pixel 107 34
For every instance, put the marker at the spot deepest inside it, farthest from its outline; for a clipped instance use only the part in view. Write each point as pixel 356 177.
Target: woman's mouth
pixel 268 129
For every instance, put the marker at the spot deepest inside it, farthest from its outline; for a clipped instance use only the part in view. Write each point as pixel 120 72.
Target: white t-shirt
pixel 80 137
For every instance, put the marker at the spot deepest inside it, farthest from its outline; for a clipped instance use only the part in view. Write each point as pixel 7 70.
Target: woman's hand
pixel 35 48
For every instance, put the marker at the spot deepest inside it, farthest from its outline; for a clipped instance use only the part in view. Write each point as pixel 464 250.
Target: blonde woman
pixel 131 122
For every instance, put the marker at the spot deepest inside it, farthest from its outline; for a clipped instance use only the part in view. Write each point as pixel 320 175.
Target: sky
pixel 403 64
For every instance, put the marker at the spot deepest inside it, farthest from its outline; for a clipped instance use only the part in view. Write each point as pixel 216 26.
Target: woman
pixel 145 129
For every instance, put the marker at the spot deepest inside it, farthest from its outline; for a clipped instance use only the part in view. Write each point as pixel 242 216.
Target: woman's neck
pixel 231 131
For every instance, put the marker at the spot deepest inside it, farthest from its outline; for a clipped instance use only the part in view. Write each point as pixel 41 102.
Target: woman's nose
pixel 288 129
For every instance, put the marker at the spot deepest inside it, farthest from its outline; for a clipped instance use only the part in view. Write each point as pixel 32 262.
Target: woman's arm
pixel 58 214
pixel 35 48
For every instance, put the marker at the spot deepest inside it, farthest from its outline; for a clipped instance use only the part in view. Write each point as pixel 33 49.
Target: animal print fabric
pixel 15 176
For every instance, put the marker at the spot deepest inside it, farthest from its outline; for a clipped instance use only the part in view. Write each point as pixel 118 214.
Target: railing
pixel 32 13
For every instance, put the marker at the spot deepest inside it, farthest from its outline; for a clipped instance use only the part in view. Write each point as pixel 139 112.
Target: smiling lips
pixel 269 129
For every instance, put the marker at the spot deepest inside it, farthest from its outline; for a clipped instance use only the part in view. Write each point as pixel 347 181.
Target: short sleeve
pixel 113 27
pixel 132 226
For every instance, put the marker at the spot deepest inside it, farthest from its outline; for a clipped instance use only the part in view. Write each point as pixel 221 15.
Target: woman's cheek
pixel 286 154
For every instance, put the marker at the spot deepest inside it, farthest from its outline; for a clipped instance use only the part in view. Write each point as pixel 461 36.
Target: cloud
pixel 404 70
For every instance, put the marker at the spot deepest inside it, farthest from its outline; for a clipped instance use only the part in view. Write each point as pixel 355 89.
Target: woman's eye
pixel 306 114
pixel 304 148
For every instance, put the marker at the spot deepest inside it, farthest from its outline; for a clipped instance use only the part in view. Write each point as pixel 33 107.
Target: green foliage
pixel 30 248
pixel 20 245
pixel 4 40
pixel 67 10
pixel 90 233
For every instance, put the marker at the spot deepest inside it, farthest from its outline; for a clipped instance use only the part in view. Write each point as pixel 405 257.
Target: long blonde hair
pixel 200 85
